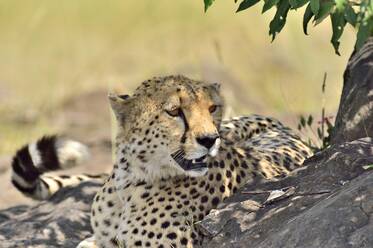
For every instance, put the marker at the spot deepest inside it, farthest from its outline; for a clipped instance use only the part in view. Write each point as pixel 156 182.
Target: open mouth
pixel 189 164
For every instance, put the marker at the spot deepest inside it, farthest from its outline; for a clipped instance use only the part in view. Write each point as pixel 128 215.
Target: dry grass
pixel 51 51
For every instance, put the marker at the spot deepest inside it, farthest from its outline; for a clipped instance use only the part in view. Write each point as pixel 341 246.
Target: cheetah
pixel 175 160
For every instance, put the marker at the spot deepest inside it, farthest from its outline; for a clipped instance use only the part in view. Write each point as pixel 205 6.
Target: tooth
pixel 193 161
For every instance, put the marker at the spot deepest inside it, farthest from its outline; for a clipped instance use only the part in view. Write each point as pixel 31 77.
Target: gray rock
pixel 355 115
pixel 63 221
pixel 331 206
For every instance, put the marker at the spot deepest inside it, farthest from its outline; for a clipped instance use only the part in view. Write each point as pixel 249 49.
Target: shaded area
pixel 355 114
pixel 63 221
pixel 331 207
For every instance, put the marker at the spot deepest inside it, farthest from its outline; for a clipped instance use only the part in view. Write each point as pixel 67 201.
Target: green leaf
pixel 279 20
pixel 293 4
pixel 246 4
pixel 350 15
pixel 309 120
pixel 328 124
pixel 306 18
pixel 208 4
pixel 326 141
pixel 302 121
pixel 363 33
pixel 269 4
pixel 365 19
pixel 338 24
pixel 319 133
pixel 297 3
pixel 340 4
pixel 367 167
pixel 325 9
pixel 315 6
pixel 309 142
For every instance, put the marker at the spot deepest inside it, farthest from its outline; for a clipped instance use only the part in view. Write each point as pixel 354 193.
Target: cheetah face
pixel 194 134
pixel 170 126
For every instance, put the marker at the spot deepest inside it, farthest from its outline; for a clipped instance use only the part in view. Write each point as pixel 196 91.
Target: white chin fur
pixel 215 148
pixel 197 173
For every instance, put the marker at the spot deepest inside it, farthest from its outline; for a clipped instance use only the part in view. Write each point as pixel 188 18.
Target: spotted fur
pixel 176 160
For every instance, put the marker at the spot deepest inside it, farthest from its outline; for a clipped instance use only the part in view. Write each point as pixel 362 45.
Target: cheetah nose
pixel 207 141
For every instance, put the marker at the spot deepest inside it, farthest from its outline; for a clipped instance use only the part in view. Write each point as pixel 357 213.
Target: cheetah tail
pixel 49 153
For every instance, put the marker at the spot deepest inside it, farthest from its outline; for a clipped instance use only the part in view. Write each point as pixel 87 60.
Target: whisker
pixel 187 164
pixel 178 154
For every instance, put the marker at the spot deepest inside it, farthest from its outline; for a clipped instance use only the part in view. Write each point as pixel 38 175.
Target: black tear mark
pixel 182 116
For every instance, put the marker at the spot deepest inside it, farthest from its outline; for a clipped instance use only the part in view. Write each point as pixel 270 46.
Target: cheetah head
pixel 168 127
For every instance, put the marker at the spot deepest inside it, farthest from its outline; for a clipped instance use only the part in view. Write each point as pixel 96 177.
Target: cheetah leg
pixel 88 243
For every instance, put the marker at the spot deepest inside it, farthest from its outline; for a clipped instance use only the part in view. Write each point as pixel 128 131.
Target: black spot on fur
pixel 47 150
pixel 171 235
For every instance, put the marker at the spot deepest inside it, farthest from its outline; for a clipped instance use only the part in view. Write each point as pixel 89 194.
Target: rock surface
pixel 63 221
pixel 355 115
pixel 329 204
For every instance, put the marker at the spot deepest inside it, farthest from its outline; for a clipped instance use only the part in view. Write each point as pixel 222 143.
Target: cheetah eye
pixel 213 108
pixel 174 112
pixel 124 97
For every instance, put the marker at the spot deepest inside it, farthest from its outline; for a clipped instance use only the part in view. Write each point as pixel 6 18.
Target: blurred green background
pixel 55 52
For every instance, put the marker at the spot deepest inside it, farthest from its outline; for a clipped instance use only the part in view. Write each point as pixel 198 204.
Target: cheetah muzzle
pixel 197 165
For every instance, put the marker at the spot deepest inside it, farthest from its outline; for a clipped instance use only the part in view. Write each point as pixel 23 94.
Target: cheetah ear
pixel 216 86
pixel 119 104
